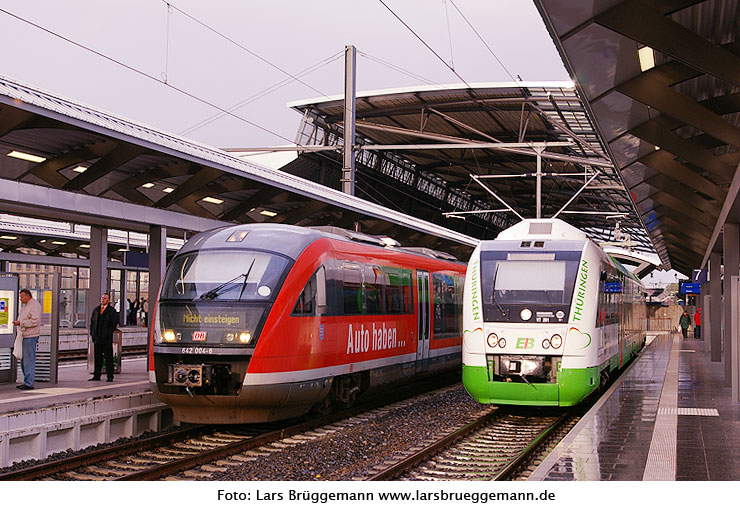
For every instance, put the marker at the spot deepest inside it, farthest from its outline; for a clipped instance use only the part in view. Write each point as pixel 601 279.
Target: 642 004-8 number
pixel 197 350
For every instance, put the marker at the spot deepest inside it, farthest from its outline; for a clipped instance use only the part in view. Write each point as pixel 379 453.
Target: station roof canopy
pixel 662 80
pixel 66 161
pixel 463 155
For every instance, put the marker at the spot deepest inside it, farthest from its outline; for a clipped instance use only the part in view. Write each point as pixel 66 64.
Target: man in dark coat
pixel 103 322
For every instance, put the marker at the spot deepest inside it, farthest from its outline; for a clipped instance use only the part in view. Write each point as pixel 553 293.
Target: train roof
pixel 291 240
pixel 542 229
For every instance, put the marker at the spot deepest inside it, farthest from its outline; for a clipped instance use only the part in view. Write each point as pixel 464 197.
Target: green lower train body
pixel 571 387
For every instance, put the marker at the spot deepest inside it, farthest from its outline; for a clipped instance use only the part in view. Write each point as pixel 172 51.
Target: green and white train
pixel 548 315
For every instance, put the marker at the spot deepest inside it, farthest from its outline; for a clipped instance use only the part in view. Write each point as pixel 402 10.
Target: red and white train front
pixel 262 322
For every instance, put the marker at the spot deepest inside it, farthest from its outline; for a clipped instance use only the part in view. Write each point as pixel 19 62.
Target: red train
pixel 262 322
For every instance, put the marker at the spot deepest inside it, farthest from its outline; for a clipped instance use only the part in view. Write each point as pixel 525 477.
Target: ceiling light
pixel 167 190
pixel 26 156
pixel 85 246
pixel 42 241
pixel 148 185
pixel 647 58
pixel 215 201
pixel 8 237
pixel 268 213
pixel 79 169
pixel 58 242
pixel 657 148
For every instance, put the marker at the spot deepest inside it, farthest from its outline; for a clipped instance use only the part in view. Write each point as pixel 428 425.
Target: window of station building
pixel 447 304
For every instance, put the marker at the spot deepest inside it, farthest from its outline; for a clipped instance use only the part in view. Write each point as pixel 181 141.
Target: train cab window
pixel 312 300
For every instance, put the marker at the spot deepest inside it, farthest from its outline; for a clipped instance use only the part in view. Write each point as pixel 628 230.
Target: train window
pixel 306 304
pixel 398 295
pixel 352 289
pixel 373 290
pixel 224 275
pixel 447 305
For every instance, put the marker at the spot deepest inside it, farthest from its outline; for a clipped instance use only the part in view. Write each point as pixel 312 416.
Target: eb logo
pixel 524 343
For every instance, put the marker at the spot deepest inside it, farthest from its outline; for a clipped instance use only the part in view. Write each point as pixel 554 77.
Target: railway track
pixel 493 447
pixel 199 451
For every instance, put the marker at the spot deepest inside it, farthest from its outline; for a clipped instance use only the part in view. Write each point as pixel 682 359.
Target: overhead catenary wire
pixel 261 94
pixel 483 41
pixel 250 52
pixel 144 74
pixel 397 68
pixel 426 44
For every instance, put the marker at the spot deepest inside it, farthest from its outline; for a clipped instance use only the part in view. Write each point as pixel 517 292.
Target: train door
pixel 424 318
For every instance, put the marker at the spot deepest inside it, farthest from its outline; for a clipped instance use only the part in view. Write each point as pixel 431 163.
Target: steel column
pixel 98 266
pixel 348 163
pixel 715 308
pixel 157 266
pixel 731 254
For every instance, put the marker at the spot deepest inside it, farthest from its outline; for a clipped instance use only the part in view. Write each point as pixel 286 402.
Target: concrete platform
pixel 77 413
pixel 668 418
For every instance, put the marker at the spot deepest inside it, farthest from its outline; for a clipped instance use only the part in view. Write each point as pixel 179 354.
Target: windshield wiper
pixel 493 295
pixel 213 293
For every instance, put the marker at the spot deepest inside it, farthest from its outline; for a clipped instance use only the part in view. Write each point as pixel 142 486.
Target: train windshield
pixel 224 275
pixel 531 278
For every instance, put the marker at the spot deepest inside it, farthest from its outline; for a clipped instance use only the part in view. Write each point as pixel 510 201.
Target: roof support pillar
pixel 715 305
pixel 348 164
pixel 539 150
pixel 98 267
pixel 731 256
pixel 157 266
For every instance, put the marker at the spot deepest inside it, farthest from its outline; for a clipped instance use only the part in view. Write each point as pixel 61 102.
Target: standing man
pixel 103 322
pixel 697 323
pixel 685 323
pixel 29 322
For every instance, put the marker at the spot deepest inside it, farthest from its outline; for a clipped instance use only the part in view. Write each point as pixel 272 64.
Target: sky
pixel 176 66
pixel 154 59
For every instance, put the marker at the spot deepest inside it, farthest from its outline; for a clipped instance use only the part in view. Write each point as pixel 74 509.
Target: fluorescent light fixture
pixel 148 185
pixel 8 237
pixel 58 242
pixel 26 156
pixel 79 169
pixel 215 201
pixel 85 246
pixel 42 241
pixel 268 213
pixel 647 58
pixel 167 190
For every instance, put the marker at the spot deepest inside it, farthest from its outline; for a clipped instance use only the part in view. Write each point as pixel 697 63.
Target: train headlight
pixel 245 337
pixel 556 341
pixel 525 314
pixel 545 344
pixel 230 337
pixel 168 336
pixel 492 340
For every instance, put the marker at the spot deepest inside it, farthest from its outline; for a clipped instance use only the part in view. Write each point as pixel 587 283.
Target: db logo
pixel 524 343
pixel 199 336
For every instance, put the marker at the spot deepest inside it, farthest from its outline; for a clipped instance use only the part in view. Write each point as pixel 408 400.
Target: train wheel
pixel 347 390
pixel 604 379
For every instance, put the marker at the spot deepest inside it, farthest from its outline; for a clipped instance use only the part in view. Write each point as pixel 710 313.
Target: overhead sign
pixel 699 275
pixel 689 287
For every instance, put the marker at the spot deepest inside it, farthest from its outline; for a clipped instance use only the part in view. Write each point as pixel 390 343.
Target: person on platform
pixel 685 322
pixel 697 323
pixel 29 322
pixel 103 322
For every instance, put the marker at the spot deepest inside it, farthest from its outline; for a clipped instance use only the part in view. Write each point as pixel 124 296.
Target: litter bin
pixel 117 351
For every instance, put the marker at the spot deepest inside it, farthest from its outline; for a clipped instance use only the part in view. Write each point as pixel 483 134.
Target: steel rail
pixel 74 462
pixel 443 443
pixel 514 464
